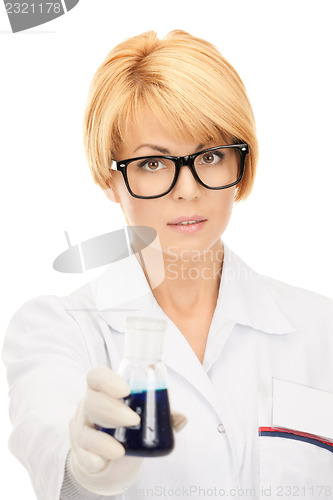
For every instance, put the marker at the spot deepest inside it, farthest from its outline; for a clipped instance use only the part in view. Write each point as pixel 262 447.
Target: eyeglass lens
pixel 153 176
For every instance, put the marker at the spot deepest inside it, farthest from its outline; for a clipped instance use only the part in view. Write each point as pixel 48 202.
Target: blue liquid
pixel 153 437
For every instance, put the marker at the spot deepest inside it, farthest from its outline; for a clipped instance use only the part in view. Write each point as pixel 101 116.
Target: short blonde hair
pixel 193 91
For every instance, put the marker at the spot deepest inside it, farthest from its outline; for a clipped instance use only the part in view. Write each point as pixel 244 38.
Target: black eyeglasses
pixel 149 177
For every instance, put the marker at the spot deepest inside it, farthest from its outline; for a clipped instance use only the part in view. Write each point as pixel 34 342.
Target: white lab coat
pixel 268 363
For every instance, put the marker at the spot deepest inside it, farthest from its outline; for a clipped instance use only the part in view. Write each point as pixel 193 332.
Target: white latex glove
pixel 97 460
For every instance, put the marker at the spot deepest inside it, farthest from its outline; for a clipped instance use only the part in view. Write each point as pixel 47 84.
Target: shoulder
pixel 48 325
pixel 50 316
pixel 270 301
pixel 301 306
pixel 62 306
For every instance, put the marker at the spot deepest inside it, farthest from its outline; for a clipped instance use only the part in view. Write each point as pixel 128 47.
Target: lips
pixel 184 218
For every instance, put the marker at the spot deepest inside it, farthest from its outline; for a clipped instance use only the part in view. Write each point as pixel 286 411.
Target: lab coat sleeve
pixel 72 490
pixel 47 360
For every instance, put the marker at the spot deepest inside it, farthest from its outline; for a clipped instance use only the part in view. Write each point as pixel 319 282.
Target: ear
pixel 111 191
pixel 111 195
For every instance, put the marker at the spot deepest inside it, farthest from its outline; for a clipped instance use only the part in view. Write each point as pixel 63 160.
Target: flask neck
pixel 144 338
pixel 143 345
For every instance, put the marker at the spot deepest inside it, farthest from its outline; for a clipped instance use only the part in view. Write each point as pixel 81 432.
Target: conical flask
pixel 145 373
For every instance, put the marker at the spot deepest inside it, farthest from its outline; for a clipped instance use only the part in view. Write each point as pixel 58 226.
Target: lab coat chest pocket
pixel 296 443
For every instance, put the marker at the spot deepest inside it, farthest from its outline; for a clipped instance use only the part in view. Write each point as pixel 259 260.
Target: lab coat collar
pixel 244 296
pixel 121 291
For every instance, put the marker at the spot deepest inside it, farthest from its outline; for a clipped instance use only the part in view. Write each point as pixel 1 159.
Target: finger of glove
pixel 76 424
pixel 102 378
pixel 106 411
pixel 89 462
pixel 178 420
pixel 100 443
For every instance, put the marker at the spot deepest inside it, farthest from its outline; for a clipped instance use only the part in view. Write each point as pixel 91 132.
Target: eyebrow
pixel 162 150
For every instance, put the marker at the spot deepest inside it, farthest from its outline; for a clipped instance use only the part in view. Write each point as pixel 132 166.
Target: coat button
pixel 221 428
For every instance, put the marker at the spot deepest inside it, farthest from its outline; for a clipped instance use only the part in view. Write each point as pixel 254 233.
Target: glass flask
pixel 145 373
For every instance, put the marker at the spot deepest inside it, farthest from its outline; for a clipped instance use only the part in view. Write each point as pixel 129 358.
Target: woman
pixel 170 135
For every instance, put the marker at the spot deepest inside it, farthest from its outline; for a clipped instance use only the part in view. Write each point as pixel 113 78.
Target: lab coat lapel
pixel 179 356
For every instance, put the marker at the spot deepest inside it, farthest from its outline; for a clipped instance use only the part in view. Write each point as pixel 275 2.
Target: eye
pixel 211 158
pixel 151 164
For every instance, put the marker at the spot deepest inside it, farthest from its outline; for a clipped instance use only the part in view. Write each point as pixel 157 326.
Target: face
pixel 187 197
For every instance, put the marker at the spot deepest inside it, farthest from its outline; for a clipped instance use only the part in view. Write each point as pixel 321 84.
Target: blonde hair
pixel 193 91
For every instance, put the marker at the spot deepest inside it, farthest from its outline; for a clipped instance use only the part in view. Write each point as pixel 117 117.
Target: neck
pixel 190 283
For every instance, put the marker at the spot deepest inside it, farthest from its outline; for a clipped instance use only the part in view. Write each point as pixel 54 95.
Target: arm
pixel 47 364
pixel 46 361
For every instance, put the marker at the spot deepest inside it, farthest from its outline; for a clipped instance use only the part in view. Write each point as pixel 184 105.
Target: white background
pixel 283 53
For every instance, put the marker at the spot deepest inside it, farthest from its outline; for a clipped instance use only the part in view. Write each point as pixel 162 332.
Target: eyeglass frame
pixel 181 161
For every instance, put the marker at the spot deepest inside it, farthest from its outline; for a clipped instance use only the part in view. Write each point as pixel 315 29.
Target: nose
pixel 186 186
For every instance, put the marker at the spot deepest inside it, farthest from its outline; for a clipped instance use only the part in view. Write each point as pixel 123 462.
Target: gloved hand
pixel 97 460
